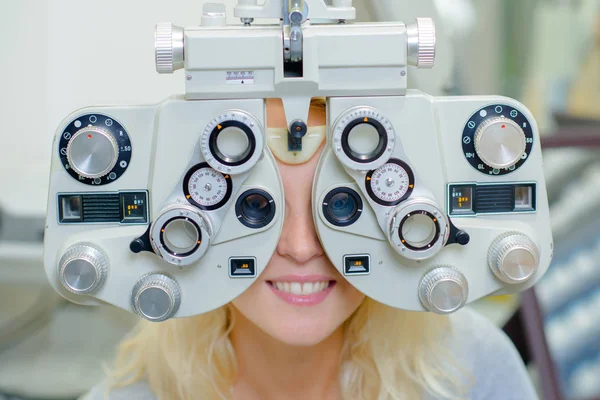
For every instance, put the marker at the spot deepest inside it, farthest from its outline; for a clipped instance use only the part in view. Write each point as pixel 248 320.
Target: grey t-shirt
pixel 493 360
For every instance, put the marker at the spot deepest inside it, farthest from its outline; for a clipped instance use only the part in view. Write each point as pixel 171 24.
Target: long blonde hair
pixel 388 354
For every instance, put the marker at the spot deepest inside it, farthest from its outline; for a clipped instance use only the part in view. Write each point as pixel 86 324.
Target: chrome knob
pixel 421 43
pixel 443 290
pixel 168 48
pixel 83 268
pixel 500 142
pixel 513 257
pixel 156 297
pixel 92 152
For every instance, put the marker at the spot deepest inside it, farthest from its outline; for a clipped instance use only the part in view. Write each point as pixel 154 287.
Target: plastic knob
pixel 168 48
pixel 92 152
pixel 443 290
pixel 213 14
pixel 83 268
pixel 156 297
pixel 500 142
pixel 513 257
pixel 421 43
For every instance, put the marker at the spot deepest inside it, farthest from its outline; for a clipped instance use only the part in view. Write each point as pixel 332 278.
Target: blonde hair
pixel 388 354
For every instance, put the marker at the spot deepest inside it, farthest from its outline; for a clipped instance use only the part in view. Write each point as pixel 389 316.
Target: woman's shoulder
pixel 492 358
pixel 136 391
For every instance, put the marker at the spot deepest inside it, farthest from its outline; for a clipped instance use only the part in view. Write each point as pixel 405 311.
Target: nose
pixel 299 240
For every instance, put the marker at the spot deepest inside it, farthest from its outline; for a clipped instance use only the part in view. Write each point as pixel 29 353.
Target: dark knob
pixel 298 129
pixel 137 245
pixel 462 238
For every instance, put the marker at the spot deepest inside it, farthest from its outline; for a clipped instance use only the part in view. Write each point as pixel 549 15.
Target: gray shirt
pixel 491 357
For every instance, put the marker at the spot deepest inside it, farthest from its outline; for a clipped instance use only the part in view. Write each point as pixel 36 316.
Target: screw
pixel 189 77
pixel 402 73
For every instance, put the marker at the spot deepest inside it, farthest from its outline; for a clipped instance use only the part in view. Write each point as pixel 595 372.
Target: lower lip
pixel 303 300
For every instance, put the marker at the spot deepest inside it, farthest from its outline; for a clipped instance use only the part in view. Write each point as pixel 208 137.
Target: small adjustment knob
pixel 83 268
pixel 513 257
pixel 421 43
pixel 443 290
pixel 92 152
pixel 168 48
pixel 500 142
pixel 156 297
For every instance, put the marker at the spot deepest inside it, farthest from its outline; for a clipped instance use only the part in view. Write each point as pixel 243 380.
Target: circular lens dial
pixel 207 188
pixel 391 183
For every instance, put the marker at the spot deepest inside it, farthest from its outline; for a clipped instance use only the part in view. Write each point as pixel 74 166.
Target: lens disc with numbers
pixel 391 183
pixel 207 188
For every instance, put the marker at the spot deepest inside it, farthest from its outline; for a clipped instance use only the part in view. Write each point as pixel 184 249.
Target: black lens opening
pixel 255 208
pixel 342 206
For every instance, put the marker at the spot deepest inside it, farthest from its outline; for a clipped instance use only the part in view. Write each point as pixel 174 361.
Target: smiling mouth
pixel 301 289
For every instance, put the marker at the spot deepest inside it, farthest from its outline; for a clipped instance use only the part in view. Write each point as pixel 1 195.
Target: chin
pixel 294 321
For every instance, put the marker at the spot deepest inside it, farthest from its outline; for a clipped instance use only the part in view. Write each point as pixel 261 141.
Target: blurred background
pixel 60 55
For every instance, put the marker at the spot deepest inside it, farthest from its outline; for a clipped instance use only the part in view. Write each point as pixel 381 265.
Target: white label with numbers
pixel 239 77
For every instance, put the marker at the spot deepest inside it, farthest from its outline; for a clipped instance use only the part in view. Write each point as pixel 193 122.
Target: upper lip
pixel 301 278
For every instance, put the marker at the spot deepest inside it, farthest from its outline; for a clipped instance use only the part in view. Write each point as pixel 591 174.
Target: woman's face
pixel 300 298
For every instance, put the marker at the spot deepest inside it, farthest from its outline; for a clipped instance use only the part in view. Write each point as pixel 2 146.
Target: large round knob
pixel 443 290
pixel 168 48
pixel 156 297
pixel 513 257
pixel 421 43
pixel 92 152
pixel 83 268
pixel 500 142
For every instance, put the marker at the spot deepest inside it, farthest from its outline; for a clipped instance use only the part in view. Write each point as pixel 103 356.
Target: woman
pixel 268 344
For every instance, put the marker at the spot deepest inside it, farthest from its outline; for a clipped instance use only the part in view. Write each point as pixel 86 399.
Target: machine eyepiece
pixel 342 206
pixel 255 208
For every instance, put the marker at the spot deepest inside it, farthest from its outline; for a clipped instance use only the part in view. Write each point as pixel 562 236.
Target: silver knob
pixel 168 48
pixel 421 43
pixel 500 142
pixel 156 297
pixel 83 268
pixel 513 257
pixel 92 152
pixel 443 290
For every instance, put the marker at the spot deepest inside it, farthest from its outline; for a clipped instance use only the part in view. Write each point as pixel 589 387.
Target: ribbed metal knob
pixel 513 257
pixel 168 48
pixel 443 290
pixel 421 43
pixel 83 268
pixel 92 152
pixel 156 297
pixel 500 142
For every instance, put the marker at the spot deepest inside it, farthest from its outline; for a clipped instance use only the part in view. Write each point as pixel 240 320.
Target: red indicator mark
pixel 503 126
pixel 89 135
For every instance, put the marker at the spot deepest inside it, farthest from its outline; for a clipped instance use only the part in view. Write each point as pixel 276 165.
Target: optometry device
pixel 174 209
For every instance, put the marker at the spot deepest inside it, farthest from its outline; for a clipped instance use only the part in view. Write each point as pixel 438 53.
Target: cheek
pixel 298 325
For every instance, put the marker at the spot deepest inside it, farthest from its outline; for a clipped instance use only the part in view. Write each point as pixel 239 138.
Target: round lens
pixel 342 206
pixel 255 208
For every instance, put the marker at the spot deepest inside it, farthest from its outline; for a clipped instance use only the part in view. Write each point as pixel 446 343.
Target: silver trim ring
pixel 412 206
pixel 181 211
pixel 246 119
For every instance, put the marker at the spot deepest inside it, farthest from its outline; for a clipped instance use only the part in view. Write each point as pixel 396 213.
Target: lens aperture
pixel 342 206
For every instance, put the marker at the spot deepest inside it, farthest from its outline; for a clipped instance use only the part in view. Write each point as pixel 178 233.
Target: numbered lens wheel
pixel 255 208
pixel 207 188
pixel 342 206
pixel 390 184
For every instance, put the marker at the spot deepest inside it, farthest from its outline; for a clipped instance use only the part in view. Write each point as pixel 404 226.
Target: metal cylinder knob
pixel 83 268
pixel 421 43
pixel 156 297
pixel 443 290
pixel 168 48
pixel 513 257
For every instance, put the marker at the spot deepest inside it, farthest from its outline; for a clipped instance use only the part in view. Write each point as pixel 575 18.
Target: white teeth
pixel 304 289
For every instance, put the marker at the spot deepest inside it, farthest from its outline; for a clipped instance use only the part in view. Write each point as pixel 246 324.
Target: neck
pixel 270 369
